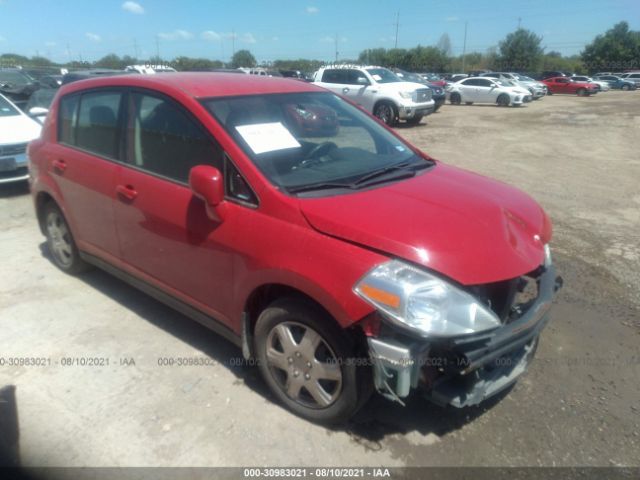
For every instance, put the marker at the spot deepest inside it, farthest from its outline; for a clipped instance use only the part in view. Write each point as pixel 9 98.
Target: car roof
pixel 199 84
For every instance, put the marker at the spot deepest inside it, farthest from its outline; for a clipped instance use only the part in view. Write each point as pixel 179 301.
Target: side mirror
pixel 362 81
pixel 38 111
pixel 207 184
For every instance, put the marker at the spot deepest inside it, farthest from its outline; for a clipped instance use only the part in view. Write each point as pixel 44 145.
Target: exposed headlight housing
pixel 423 303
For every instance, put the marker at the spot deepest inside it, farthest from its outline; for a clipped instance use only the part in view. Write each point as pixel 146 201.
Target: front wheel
pixel 503 100
pixel 581 92
pixel 308 362
pixel 625 87
pixel 386 112
pixel 455 99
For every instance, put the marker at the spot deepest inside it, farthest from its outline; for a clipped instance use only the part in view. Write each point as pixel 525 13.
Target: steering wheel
pixel 317 152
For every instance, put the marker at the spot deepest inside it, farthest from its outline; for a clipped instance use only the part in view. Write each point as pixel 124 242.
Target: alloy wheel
pixel 303 365
pixel 59 239
pixel 384 113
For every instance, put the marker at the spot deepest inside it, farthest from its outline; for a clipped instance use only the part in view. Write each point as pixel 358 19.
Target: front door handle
pixel 127 191
pixel 345 90
pixel 59 165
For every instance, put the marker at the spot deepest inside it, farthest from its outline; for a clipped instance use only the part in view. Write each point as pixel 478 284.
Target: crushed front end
pixel 464 369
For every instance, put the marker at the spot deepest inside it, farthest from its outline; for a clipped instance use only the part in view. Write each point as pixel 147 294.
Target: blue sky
pixel 280 29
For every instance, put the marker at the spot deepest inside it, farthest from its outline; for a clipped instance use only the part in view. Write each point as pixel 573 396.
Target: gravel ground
pixel 579 403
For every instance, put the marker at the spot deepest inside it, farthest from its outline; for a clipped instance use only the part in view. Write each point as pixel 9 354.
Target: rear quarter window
pixel 67 115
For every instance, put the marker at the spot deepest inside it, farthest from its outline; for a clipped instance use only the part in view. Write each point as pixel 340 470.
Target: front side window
pixel 97 125
pixel 383 75
pixel 312 141
pixel 164 140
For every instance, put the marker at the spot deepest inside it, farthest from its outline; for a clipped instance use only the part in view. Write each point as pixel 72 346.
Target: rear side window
pixel 334 76
pixel 97 125
pixel 163 139
pixel 67 119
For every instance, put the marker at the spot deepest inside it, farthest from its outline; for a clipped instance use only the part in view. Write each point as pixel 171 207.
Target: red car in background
pixel 566 85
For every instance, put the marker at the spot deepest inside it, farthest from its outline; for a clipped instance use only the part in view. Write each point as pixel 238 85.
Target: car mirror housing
pixel 206 183
pixel 37 111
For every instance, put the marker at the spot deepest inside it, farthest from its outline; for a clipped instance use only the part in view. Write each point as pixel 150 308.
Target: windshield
pixel 41 98
pixel 12 78
pixel 382 75
pixel 524 78
pixel 300 140
pixel 6 109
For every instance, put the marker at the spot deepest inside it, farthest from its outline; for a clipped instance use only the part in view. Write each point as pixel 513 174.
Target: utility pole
pixel 336 48
pixel 135 48
pixel 233 42
pixel 519 20
pixel 157 49
pixel 464 48
pixel 397 27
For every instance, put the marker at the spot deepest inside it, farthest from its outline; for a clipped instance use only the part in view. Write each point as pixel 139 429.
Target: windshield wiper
pixel 319 186
pixel 407 169
pixel 410 169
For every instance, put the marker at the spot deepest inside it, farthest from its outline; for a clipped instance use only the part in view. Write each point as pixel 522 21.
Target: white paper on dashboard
pixel 267 137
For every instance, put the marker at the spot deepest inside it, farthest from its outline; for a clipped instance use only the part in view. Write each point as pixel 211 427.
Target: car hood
pixel 18 129
pixel 470 228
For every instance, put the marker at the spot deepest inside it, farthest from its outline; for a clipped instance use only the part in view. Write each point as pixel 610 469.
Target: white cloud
pixel 247 38
pixel 275 39
pixel 211 36
pixel 94 37
pixel 176 35
pixel 50 44
pixel 133 7
pixel 330 39
pixel 312 10
pixel 452 19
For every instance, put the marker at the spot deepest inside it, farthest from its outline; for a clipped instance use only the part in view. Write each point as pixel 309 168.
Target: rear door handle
pixel 127 191
pixel 59 165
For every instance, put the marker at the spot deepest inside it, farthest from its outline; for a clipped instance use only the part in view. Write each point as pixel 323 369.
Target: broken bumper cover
pixel 463 371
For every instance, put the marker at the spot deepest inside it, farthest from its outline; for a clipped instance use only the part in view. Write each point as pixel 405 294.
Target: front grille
pixel 19 172
pixel 422 95
pixel 14 149
pixel 510 299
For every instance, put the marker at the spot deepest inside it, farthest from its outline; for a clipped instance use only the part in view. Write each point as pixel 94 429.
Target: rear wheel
pixel 455 99
pixel 309 363
pixel 414 120
pixel 60 241
pixel 387 112
pixel 625 87
pixel 503 100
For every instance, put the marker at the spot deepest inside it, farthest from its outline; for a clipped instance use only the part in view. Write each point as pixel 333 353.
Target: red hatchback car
pixel 341 261
pixel 567 85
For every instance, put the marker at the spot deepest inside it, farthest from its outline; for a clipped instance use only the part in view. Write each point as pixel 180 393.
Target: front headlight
pixel 406 94
pixel 422 302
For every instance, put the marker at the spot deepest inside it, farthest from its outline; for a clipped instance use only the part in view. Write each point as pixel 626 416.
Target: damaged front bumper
pixel 462 371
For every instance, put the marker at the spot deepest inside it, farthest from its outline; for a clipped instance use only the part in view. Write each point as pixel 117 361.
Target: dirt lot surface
pixel 579 403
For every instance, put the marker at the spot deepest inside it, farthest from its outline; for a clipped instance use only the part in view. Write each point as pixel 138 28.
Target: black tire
pixel 60 241
pixel 468 103
pixel 581 92
pixel 291 358
pixel 549 92
pixel 455 98
pixel 625 87
pixel 503 100
pixel 414 120
pixel 387 113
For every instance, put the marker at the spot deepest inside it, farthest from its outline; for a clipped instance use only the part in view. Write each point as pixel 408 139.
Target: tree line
pixel 617 49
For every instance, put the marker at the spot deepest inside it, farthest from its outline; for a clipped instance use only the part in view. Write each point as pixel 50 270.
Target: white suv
pixel 379 91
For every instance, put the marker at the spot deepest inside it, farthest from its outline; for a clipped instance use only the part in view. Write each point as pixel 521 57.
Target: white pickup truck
pixel 379 91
